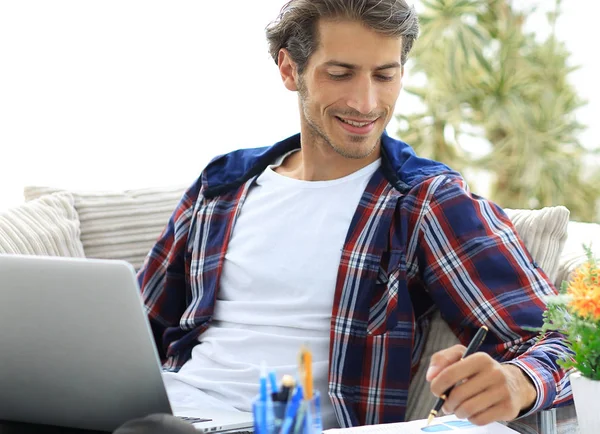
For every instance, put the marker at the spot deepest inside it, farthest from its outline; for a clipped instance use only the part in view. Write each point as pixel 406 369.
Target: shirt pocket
pixel 383 309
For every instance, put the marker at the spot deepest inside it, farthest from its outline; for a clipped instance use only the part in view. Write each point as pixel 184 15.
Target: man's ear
pixel 287 69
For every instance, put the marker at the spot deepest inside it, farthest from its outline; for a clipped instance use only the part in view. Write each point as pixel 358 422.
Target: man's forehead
pixel 350 43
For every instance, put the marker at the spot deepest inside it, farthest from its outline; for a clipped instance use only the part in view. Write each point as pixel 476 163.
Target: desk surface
pixel 558 421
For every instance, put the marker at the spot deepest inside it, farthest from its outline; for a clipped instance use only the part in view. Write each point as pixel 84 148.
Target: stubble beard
pixel 318 135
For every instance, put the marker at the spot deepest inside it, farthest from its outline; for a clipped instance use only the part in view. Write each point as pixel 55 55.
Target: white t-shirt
pixel 276 291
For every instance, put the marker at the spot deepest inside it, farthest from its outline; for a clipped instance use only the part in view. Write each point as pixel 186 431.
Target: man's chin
pixel 356 147
pixel 352 152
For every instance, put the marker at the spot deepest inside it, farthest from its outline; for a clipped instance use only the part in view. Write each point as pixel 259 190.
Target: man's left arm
pixel 478 272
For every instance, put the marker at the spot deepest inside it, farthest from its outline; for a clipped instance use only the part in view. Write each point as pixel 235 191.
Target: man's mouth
pixel 358 124
pixel 357 127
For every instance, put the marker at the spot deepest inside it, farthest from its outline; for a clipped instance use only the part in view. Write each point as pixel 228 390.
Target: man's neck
pixel 321 163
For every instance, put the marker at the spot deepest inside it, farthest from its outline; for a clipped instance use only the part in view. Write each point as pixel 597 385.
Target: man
pixel 342 238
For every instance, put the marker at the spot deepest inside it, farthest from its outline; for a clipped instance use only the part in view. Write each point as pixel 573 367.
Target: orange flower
pixel 584 292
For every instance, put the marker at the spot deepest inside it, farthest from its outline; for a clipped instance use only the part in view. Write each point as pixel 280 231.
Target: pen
pixel 291 410
pixel 273 383
pixel 317 421
pixel 306 371
pixel 266 405
pixel 473 347
pixel 301 418
pixel 287 384
pixel 262 385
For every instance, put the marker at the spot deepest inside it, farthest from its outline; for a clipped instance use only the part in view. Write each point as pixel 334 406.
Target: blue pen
pixel 262 385
pixel 266 404
pixel 273 382
pixel 291 410
pixel 318 423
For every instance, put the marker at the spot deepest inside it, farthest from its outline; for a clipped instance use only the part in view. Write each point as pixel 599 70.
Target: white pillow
pixel 47 226
pixel 544 232
pixel 573 255
pixel 120 224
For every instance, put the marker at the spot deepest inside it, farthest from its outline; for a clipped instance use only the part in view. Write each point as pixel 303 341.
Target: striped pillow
pixel 544 232
pixel 120 225
pixel 48 226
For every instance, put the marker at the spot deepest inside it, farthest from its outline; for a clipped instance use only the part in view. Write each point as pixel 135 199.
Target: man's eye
pixel 385 77
pixel 339 76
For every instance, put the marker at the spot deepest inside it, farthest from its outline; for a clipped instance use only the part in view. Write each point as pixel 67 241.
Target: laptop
pixel 76 349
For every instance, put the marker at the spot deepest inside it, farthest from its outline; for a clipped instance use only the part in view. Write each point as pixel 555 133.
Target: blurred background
pixel 113 95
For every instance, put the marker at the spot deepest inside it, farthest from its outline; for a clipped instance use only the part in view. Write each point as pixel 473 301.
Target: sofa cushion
pixel 47 226
pixel 573 255
pixel 120 224
pixel 543 232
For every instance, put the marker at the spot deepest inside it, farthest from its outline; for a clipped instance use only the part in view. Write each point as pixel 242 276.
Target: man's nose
pixel 363 97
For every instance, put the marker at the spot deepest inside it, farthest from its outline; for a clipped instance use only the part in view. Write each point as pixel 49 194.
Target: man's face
pixel 349 88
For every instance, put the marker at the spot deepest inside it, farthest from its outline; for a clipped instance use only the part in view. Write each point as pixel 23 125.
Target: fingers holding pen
pixel 455 366
pixel 443 359
pixel 458 372
pixel 468 389
pixel 483 390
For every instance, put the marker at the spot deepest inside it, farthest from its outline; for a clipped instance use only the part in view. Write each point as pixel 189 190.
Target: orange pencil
pixel 308 373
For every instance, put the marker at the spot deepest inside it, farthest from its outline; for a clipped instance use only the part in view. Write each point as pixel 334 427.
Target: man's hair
pixel 295 29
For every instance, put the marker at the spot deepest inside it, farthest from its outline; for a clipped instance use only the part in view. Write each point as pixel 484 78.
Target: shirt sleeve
pixel 478 272
pixel 164 277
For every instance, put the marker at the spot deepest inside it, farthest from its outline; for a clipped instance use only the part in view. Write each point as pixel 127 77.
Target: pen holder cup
pixel 275 417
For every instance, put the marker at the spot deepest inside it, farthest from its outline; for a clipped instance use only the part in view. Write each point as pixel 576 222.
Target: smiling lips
pixel 355 126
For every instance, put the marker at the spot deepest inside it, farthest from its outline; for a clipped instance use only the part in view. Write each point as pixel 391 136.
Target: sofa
pixel 125 224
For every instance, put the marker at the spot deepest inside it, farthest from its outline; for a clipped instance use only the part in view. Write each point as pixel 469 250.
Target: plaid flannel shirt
pixel 419 240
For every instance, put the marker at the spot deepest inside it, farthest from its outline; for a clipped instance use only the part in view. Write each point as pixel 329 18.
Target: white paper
pixel 440 425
